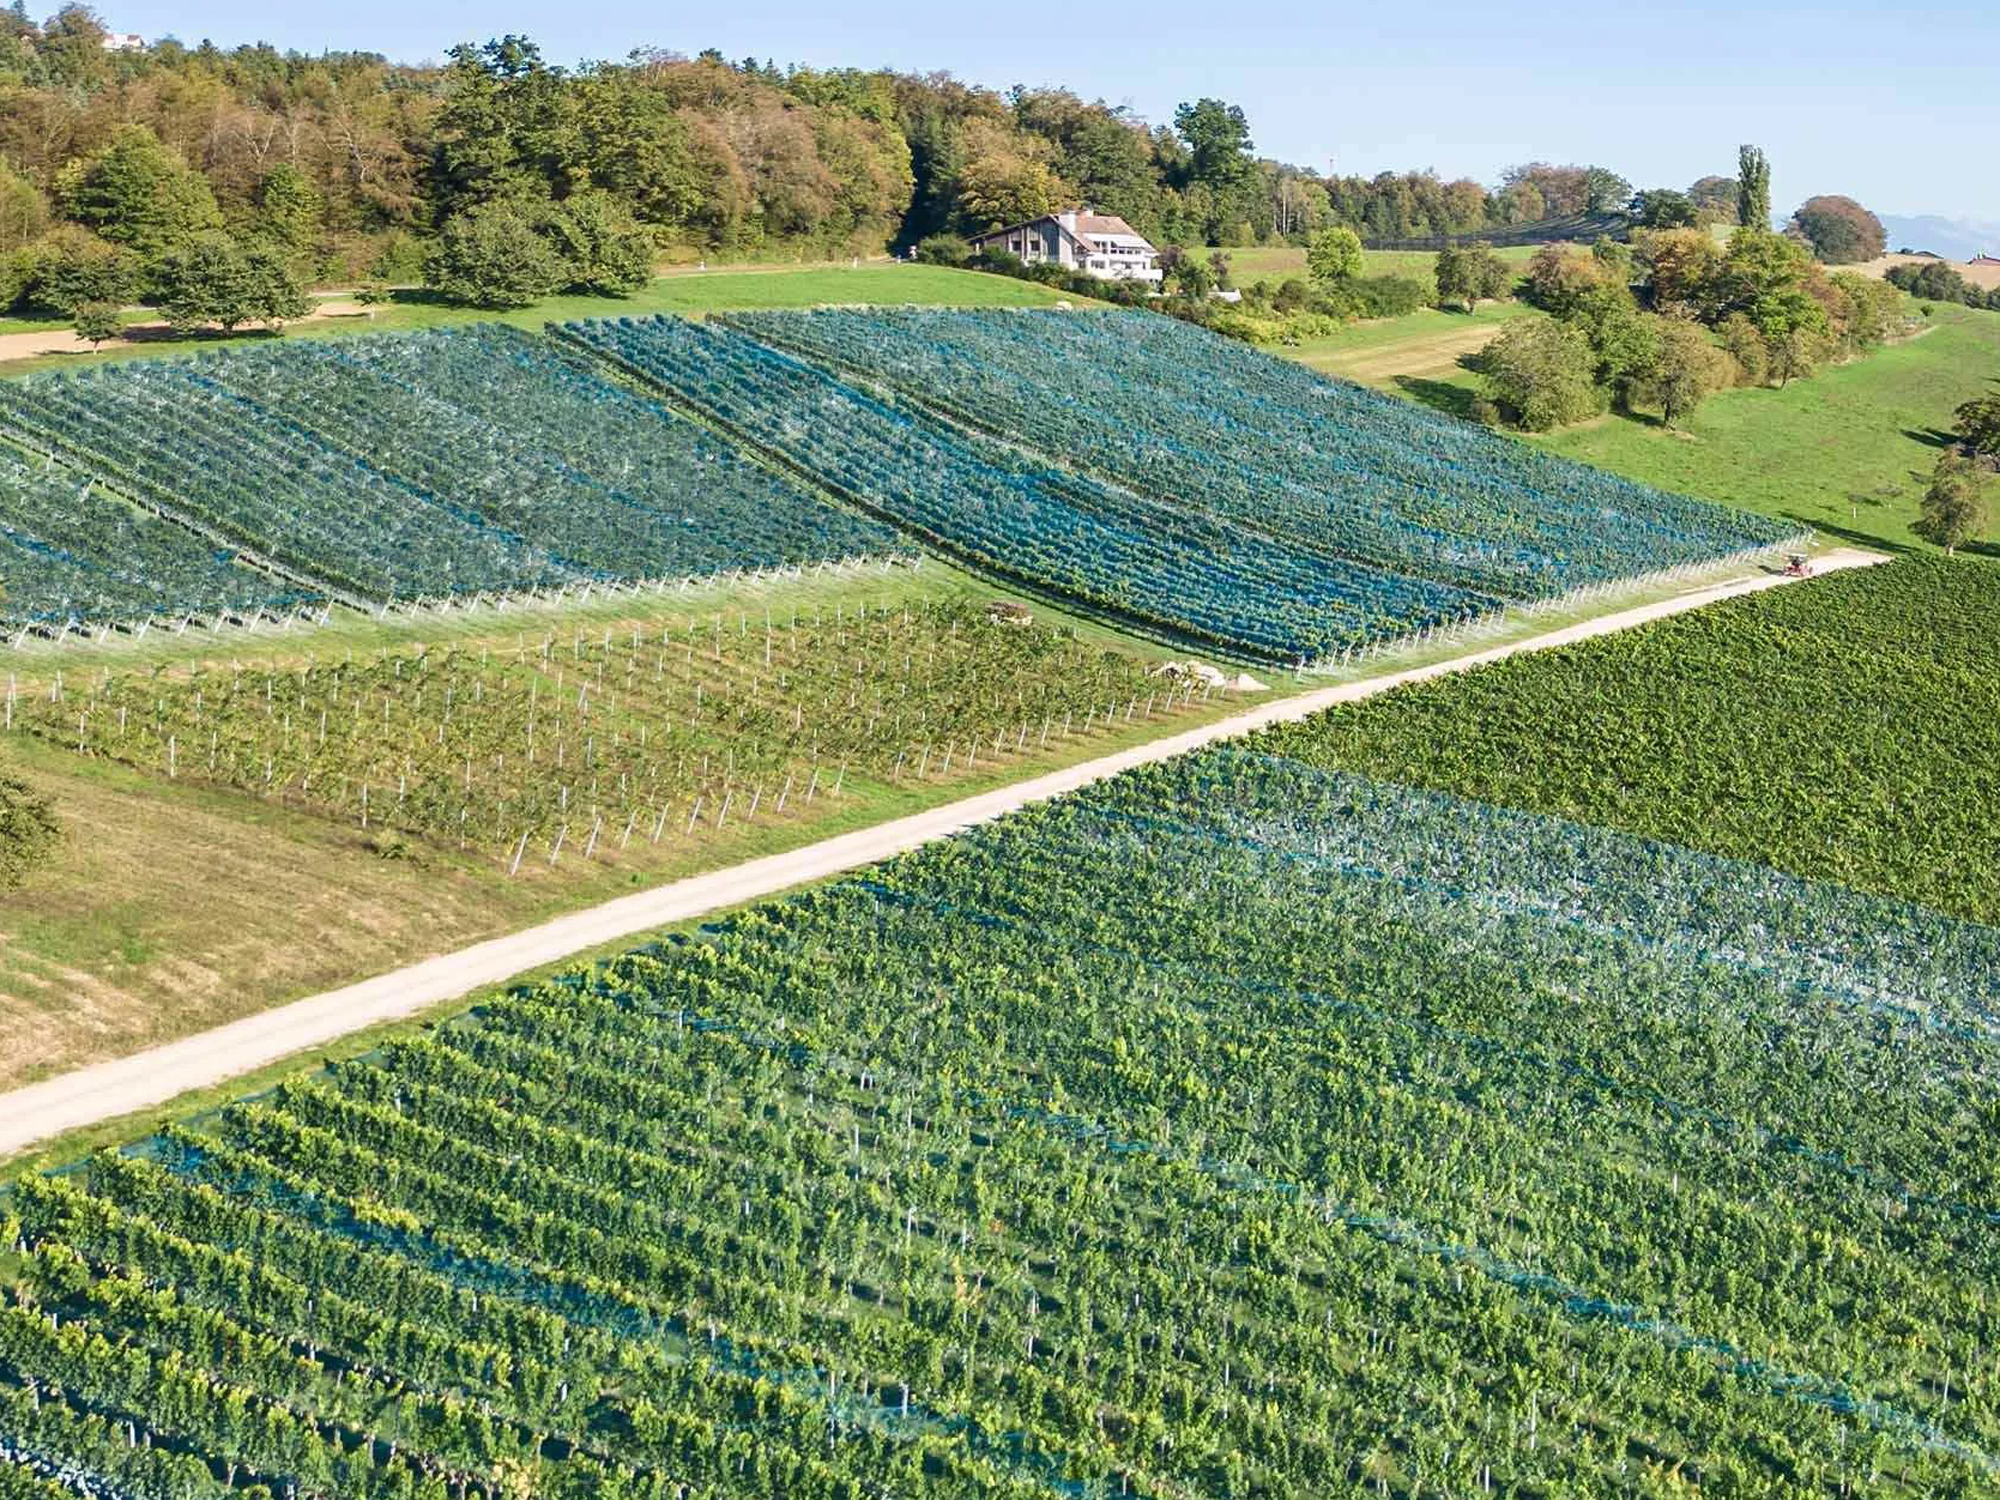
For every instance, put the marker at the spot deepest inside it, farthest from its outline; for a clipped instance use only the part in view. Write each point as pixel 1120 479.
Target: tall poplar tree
pixel 1753 187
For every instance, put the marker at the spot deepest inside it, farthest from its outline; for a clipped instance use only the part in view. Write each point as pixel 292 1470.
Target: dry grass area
pixel 1423 348
pixel 173 907
pixel 1982 274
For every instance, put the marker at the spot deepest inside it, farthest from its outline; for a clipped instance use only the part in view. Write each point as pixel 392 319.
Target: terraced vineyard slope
pixel 1236 1128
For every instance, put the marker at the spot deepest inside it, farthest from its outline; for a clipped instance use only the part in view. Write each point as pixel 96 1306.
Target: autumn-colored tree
pixel 1840 231
pixel 1560 275
pixel 1677 267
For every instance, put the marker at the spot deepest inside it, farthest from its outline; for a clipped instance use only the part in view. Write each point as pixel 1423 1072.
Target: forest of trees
pixel 345 165
pixel 219 184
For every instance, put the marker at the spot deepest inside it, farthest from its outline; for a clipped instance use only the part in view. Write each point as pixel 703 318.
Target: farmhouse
pixel 1081 239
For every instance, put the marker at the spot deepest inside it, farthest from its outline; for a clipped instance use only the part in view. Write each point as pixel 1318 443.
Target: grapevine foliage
pixel 1236 1127
pixel 1210 424
pixel 1841 729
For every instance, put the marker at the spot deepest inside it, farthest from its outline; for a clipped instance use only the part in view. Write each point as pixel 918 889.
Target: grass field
pixel 685 292
pixel 1253 263
pixel 1416 356
pixel 1848 451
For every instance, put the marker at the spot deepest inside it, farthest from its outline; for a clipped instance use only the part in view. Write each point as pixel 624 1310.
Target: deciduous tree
pixel 1541 373
pixel 1663 208
pixel 1840 231
pixel 1953 510
pixel 1334 257
pixel 1686 369
pixel 1471 273
pixel 1979 423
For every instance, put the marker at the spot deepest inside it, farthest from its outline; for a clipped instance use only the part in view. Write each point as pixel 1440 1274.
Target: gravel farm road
pixel 104 1091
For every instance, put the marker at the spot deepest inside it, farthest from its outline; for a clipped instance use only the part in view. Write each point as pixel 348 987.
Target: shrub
pixel 943 250
pixel 1390 296
pixel 1542 374
pixel 1746 346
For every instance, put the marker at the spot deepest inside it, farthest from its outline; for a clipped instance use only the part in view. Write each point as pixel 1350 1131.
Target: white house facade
pixel 1100 245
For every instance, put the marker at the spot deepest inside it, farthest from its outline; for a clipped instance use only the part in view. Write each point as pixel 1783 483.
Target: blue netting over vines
pixel 70 552
pixel 1025 514
pixel 446 462
pixel 1209 423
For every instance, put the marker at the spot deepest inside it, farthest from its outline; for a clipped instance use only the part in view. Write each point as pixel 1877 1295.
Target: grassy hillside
pixel 1416 356
pixel 1841 729
pixel 1276 262
pixel 1848 451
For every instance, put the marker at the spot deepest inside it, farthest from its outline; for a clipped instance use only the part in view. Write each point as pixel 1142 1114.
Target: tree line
pixel 219 183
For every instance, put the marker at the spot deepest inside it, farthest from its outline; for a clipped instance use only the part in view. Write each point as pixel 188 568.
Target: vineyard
pixel 1024 515
pixel 1203 421
pixel 1130 465
pixel 68 552
pixel 645 730
pixel 1842 731
pixel 1237 1128
pixel 441 463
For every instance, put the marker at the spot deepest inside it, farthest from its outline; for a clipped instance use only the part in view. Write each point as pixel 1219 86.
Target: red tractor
pixel 1797 565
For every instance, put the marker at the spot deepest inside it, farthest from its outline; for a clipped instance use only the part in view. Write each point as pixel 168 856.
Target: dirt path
pixel 62 341
pixel 107 1090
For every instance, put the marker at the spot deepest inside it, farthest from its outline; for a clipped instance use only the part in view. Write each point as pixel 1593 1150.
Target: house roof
pixel 1088 225
pixel 1105 224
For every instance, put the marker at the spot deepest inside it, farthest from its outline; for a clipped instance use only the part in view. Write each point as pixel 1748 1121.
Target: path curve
pixel 106 1090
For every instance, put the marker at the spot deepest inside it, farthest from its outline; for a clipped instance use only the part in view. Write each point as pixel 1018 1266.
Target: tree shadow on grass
pixel 1439 395
pixel 1873 541
pixel 1930 437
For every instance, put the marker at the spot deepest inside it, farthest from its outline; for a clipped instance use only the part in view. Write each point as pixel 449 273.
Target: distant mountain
pixel 1954 239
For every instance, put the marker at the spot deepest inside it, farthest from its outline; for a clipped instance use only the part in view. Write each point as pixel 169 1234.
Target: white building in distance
pixel 1080 239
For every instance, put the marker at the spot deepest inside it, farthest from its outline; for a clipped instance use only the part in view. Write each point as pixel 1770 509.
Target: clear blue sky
pixel 1897 107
